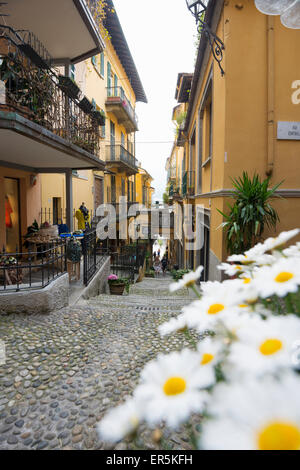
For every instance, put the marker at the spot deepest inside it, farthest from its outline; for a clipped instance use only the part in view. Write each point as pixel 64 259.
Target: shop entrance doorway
pixel 12 214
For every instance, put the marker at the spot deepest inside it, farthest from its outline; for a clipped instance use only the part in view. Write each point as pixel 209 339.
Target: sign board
pixel 288 130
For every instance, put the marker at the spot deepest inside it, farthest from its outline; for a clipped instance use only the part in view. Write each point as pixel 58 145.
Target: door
pixel 12 214
pixel 112 140
pixel 57 212
pixel 99 195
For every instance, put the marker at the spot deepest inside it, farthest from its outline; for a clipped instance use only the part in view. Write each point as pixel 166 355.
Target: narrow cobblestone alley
pixel 65 370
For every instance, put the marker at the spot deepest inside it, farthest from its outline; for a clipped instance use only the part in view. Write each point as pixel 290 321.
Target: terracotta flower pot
pixel 116 289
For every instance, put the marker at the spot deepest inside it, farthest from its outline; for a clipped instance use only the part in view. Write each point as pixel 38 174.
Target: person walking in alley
pixel 157 266
pixel 164 265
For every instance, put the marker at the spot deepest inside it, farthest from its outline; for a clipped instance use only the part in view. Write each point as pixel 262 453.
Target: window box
pixel 69 86
pixel 86 105
pixel 99 116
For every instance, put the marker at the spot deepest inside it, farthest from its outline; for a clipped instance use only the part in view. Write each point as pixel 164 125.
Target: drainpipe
pixel 271 96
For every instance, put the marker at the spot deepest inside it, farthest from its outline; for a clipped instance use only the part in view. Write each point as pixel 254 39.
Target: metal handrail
pixel 118 92
pixel 120 153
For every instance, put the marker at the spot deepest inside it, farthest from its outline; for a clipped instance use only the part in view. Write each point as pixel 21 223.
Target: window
pixel 94 104
pixel 116 85
pixel 102 66
pixel 122 139
pixel 108 79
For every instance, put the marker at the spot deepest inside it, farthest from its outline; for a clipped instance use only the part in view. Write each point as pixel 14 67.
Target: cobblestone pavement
pixel 65 370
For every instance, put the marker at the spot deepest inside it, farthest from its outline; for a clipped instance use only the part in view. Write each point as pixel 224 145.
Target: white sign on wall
pixel 288 130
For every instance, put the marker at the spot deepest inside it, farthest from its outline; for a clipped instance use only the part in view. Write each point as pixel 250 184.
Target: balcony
pixel 118 157
pixel 188 184
pixel 76 34
pixel 51 131
pixel 119 105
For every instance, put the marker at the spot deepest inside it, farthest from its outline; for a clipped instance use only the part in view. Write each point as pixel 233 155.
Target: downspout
pixel 271 95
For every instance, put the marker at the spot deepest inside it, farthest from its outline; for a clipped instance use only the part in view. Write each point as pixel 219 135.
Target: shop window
pixel 12 214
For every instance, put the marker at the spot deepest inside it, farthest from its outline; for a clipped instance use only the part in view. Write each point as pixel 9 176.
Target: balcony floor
pixel 27 145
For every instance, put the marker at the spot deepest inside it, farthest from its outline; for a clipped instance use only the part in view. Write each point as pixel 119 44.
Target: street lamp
pixel 198 10
pixel 289 11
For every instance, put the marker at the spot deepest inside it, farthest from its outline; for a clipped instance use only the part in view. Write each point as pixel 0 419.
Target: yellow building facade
pixel 233 122
pixel 112 85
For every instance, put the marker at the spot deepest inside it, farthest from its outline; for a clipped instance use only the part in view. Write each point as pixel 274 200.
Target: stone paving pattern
pixel 64 370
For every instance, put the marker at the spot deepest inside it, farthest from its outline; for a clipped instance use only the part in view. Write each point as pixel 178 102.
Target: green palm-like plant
pixel 250 214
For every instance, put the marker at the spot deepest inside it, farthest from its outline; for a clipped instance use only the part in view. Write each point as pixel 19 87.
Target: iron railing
pixel 93 257
pixel 118 153
pixel 118 92
pixel 34 90
pixel 59 217
pixel 32 269
pixel 188 183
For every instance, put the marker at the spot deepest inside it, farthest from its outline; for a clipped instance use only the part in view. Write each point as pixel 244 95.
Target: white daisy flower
pixel 205 313
pixel 172 388
pixel 233 269
pixel 292 251
pixel 120 422
pixel 210 351
pixel 251 259
pixel 175 325
pixel 264 349
pixel 239 320
pixel 255 415
pixel 279 242
pixel 188 280
pixel 280 279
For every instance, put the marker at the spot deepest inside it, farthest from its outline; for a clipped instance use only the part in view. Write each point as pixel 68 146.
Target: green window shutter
pixel 103 131
pixel 93 59
pixel 108 79
pixel 94 104
pixel 116 84
pixel 102 72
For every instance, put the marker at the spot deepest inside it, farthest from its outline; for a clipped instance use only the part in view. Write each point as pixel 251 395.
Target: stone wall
pixel 214 273
pixel 98 284
pixel 53 297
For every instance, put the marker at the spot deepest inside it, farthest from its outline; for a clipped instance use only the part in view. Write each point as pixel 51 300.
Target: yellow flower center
pixel 270 346
pixel 206 359
pixel 215 308
pixel 284 277
pixel 174 386
pixel 247 280
pixel 243 306
pixel 279 436
pixel 239 268
pixel 190 283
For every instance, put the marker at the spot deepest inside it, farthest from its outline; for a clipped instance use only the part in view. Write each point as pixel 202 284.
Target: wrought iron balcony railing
pixel 28 86
pixel 188 183
pixel 118 153
pixel 119 94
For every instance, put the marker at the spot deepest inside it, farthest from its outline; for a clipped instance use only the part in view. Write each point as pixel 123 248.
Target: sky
pixel 161 37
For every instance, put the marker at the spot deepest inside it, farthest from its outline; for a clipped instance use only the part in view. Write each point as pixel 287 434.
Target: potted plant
pixel 117 284
pixel 99 116
pixel 86 105
pixel 74 250
pixel 69 86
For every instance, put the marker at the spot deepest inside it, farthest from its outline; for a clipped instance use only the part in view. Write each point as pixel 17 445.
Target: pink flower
pixel 112 277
